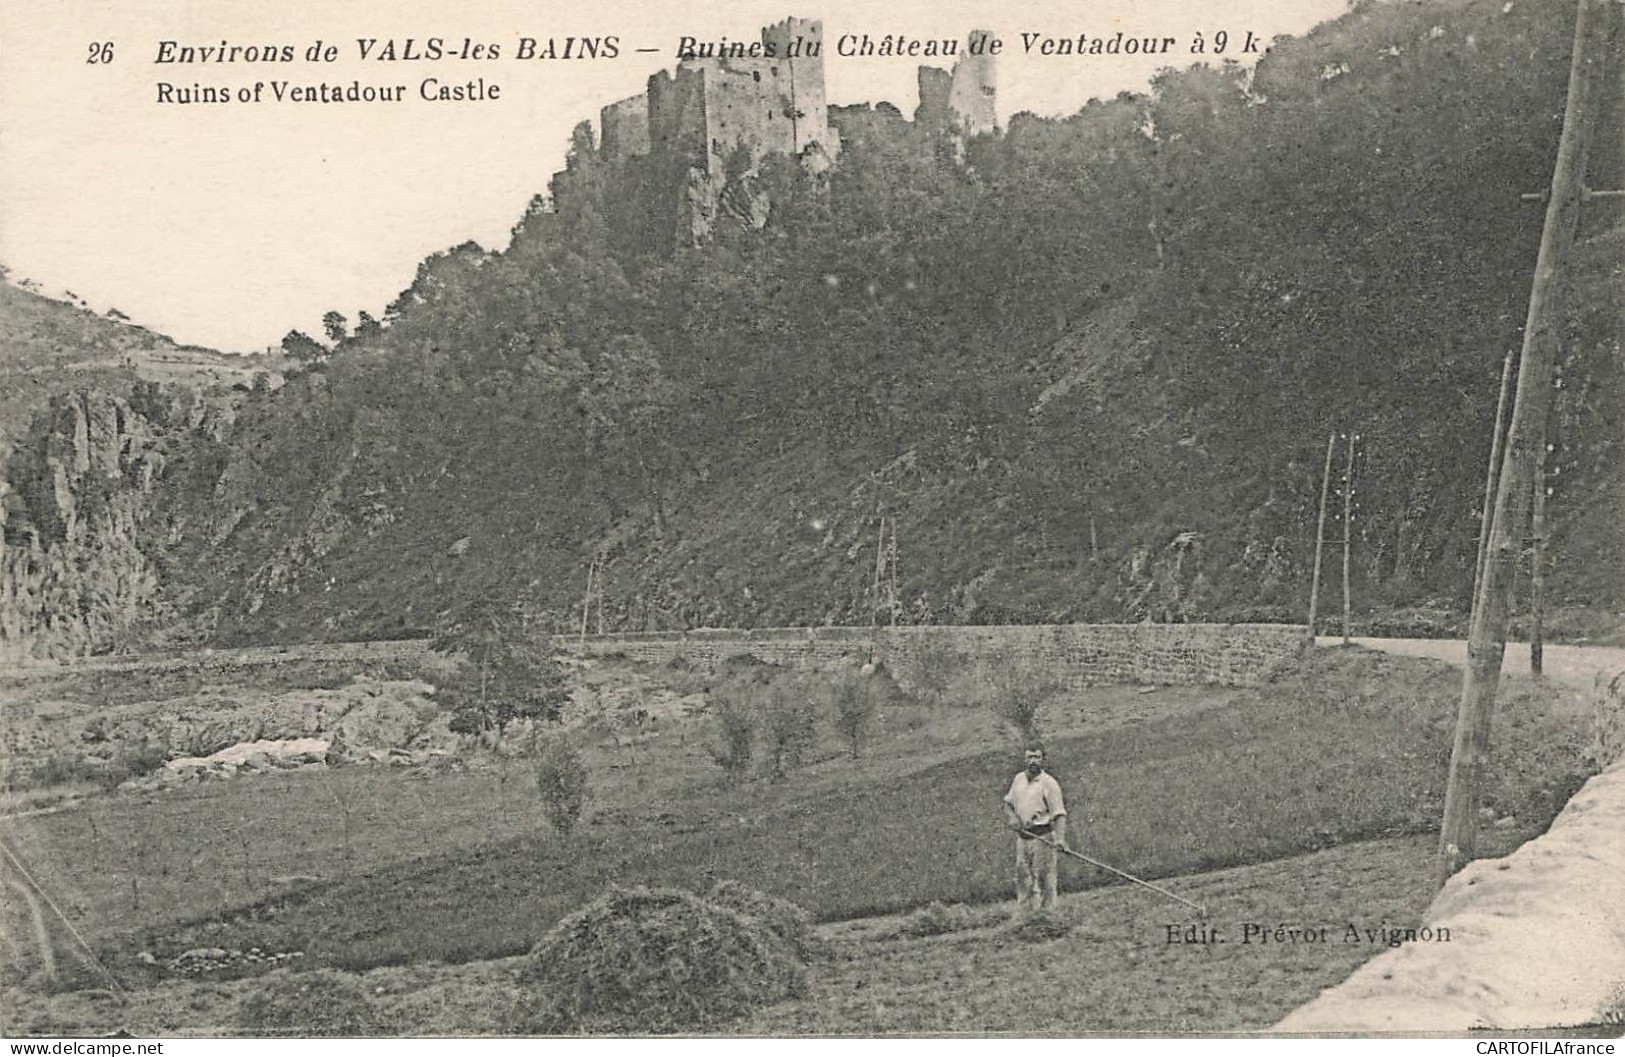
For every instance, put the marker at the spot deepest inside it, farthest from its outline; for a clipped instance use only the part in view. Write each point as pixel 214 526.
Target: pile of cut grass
pixel 937 918
pixel 321 1003
pixel 657 960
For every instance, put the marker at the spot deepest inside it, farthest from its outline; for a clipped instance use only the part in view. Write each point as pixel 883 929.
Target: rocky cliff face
pixel 76 569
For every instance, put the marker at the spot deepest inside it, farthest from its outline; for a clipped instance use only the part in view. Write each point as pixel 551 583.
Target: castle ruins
pixel 715 118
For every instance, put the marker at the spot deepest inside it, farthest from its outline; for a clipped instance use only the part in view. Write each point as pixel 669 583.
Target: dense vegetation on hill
pixel 1089 370
pixel 49 347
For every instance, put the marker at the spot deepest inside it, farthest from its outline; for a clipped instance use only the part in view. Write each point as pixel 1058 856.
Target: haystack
pixel 320 1003
pixel 656 960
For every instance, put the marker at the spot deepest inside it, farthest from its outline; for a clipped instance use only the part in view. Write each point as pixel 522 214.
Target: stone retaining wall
pixel 1079 654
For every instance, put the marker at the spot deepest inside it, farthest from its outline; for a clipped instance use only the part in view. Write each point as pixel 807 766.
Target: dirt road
pixel 1575 666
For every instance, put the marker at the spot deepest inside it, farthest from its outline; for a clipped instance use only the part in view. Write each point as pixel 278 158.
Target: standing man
pixel 1034 809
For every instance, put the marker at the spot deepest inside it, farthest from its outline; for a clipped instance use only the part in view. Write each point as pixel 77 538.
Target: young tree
pixel 854 709
pixel 561 782
pixel 1016 691
pixel 508 672
pixel 790 722
pixel 735 708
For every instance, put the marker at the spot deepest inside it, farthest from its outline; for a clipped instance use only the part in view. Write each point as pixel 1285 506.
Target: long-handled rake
pixel 1126 876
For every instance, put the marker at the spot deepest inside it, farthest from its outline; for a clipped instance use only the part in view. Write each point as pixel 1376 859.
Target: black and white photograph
pixel 812 519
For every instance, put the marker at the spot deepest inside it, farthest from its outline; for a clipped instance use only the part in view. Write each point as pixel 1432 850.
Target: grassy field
pixel 373 867
pixel 1352 748
pixel 1113 969
pixel 198 852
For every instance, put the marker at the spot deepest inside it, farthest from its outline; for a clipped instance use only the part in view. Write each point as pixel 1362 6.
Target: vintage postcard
pixel 812 518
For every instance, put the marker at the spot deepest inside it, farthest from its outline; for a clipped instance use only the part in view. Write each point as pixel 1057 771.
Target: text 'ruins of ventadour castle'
pixel 726 108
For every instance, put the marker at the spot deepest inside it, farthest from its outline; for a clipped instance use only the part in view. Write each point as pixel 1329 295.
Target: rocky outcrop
pixel 218 735
pixel 92 508
pixel 74 575
pixel 253 757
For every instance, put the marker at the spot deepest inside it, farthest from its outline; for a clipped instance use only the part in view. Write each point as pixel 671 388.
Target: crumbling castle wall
pixel 746 110
pixel 624 128
pixel 935 112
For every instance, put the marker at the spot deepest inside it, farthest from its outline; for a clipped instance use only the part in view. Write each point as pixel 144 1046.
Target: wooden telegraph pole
pixel 1486 645
pixel 1537 563
pixel 1348 530
pixel 1491 476
pixel 1320 536
pixel 1614 36
pixel 874 589
pixel 586 609
pixel 600 586
pixel 891 574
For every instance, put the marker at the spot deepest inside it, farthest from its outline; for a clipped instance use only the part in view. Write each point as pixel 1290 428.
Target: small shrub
pixel 111 775
pixel 1016 691
pixel 58 769
pixel 641 960
pixel 561 782
pixel 854 709
pixel 735 710
pixel 137 761
pixel 321 1003
pixel 791 717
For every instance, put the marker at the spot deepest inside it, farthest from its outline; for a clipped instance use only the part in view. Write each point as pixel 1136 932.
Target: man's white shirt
pixel 1036 801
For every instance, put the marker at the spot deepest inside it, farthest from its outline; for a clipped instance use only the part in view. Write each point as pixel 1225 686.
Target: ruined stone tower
pixel 796 64
pixel 973 94
pixel 624 128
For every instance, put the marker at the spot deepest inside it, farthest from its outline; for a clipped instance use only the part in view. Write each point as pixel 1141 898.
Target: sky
pixel 227 225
